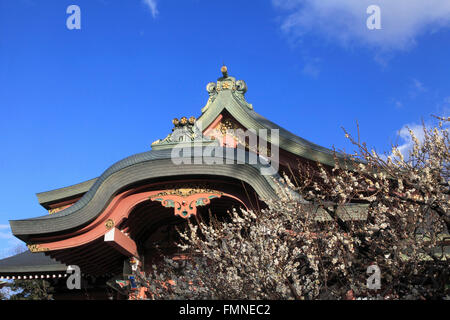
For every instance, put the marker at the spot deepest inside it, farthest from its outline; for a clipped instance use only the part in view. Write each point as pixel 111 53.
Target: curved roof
pixel 143 167
pixel 235 103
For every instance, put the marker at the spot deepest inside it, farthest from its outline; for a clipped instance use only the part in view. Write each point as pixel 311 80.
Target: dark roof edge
pixel 28 262
pixel 33 269
pixel 60 194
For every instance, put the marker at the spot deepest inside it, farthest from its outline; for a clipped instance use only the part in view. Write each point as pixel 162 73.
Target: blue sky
pixel 73 102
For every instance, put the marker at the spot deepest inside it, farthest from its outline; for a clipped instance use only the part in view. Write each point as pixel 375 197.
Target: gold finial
pixel 224 71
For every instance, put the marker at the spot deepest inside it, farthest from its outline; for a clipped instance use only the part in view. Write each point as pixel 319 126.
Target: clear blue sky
pixel 73 102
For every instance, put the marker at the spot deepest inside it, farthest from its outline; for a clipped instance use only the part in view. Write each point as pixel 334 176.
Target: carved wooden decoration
pixel 186 201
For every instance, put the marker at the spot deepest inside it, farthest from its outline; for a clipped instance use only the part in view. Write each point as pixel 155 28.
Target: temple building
pixel 125 220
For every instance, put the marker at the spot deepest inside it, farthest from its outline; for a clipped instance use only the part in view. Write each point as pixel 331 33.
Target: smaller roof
pixel 61 194
pixel 28 265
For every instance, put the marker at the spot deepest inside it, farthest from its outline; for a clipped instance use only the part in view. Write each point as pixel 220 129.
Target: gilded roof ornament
pixel 36 248
pixel 226 82
pixel 109 224
pixel 184 131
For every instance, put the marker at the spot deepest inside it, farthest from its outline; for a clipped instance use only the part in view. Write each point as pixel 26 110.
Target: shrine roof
pixel 30 264
pixel 226 94
pixel 61 194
